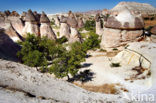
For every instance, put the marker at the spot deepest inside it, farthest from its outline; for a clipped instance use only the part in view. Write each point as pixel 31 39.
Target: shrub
pixel 90 25
pixel 114 49
pixel 69 62
pixel 115 65
pixel 62 40
pixel 91 42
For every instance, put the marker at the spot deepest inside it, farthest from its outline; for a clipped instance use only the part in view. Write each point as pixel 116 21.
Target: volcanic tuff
pixel 143 8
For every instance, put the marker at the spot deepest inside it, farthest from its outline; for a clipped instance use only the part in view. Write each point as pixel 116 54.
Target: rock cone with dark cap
pixel 31 25
pixel 45 28
pixel 71 21
pixel 121 28
pixel 99 29
pixel 64 28
pixel 80 23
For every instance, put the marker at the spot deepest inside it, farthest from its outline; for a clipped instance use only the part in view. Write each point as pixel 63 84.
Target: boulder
pixel 45 28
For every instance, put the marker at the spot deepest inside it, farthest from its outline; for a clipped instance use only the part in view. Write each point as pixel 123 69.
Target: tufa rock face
pixel 30 17
pixel 80 23
pixel 64 30
pixel 71 21
pixel 134 7
pixel 125 20
pixel 45 28
pixel 153 30
pixel 121 28
pixel 31 25
pixel 8 49
pixel 44 18
pixel 99 29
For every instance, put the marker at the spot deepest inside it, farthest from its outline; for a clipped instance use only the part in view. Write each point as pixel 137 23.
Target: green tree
pixel 90 25
pixel 69 62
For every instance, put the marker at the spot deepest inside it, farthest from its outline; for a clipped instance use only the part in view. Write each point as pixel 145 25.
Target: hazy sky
pixel 55 6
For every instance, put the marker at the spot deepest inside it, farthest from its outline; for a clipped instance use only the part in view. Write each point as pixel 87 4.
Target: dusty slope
pixel 23 78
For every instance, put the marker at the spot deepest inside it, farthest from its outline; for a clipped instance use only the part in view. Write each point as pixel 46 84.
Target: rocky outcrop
pixel 31 25
pixel 134 7
pixel 42 85
pixel 69 27
pixel 64 28
pixel 16 23
pixel 153 30
pixel 80 23
pixel 121 28
pixel 8 49
pixel 45 28
pixel 99 28
pixel 57 21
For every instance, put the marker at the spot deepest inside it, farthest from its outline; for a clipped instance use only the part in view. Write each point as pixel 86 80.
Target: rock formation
pixel 45 28
pixel 69 27
pixel 64 28
pixel 57 21
pixel 16 22
pixel 80 22
pixel 122 28
pixel 134 7
pixel 99 28
pixel 8 49
pixel 153 30
pixel 31 25
pixel 72 22
pixel 43 86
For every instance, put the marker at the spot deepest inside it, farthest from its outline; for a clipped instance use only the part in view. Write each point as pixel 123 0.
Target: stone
pixel 30 17
pixel 44 18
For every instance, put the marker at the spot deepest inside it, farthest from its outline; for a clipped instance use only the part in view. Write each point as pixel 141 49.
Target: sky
pixel 58 6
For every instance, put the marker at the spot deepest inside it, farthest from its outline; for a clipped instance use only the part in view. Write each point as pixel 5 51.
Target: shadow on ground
pixel 83 76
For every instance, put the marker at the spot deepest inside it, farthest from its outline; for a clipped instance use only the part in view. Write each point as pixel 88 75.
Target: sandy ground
pixel 103 73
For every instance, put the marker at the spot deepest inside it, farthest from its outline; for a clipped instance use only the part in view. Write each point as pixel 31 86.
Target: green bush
pixel 69 62
pixel 115 65
pixel 91 42
pixel 90 25
pixel 62 40
pixel 38 51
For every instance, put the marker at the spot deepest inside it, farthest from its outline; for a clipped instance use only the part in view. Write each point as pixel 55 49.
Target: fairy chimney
pixel 121 28
pixel 99 29
pixel 45 28
pixel 31 25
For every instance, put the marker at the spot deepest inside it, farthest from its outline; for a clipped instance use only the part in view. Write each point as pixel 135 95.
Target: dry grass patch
pixel 106 88
pixel 112 54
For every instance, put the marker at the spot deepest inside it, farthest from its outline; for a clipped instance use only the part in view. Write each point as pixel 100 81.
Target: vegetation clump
pixel 53 57
pixel 115 65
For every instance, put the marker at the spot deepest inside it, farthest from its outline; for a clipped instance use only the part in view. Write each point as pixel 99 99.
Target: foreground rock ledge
pixel 28 80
